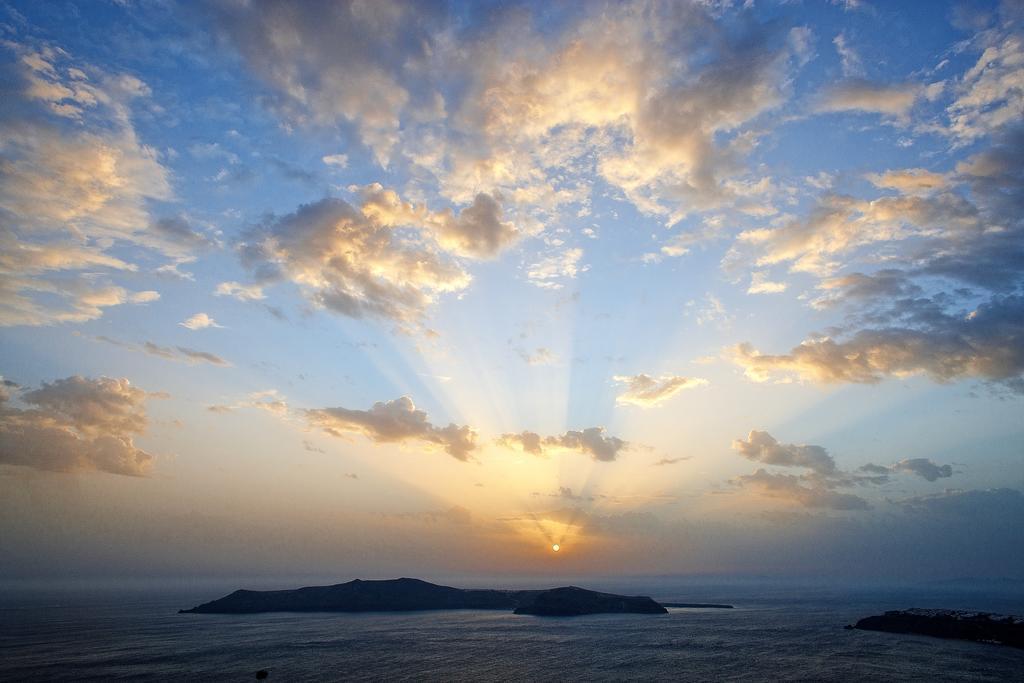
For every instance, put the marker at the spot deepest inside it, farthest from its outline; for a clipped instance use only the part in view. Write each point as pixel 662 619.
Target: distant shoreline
pixel 696 605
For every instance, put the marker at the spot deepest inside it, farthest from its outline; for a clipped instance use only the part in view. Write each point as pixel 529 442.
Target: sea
pixel 777 631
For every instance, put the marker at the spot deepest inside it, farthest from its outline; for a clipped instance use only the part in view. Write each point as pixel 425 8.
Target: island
pixel 571 601
pixel 405 595
pixel 983 627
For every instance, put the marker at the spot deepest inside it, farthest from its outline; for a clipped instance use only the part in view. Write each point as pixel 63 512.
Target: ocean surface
pixel 784 632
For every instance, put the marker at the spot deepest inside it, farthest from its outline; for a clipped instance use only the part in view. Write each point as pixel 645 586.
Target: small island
pixel 982 627
pixel 572 601
pixel 404 595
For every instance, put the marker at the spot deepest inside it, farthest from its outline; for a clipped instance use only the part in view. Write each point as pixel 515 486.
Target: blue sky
pixel 683 287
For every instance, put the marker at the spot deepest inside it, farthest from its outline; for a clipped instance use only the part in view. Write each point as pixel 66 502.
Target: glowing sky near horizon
pixel 356 288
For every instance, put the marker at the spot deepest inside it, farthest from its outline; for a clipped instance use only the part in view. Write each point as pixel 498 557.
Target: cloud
pixel 848 57
pixel 396 421
pixel 477 231
pixel 838 225
pixel 646 391
pixel 960 225
pixel 591 441
pixel 352 261
pixel 199 321
pixel 656 99
pixel 212 150
pixel 990 95
pixel 240 291
pixel 566 493
pixel 924 468
pixel 194 356
pixel 674 156
pixel 764 448
pixel 336 160
pixel 346 63
pixel 64 300
pixel 860 288
pixel 985 344
pixel 76 424
pixel 790 488
pixel 178 230
pixel 75 180
pixel 991 504
pixel 548 272
pixel 270 400
pixel 893 100
pixel 526 441
pixel 540 356
pixel 144 297
pixel 816 488
pixel 760 284
pixel 712 311
pixel 950 231
pixel 181 354
pixel 671 461
pixel 910 180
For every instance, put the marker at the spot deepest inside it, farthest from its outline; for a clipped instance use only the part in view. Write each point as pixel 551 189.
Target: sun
pixel 556 547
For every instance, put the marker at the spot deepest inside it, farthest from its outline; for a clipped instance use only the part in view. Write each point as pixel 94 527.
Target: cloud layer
pixel 818 486
pixel 76 424
pixel 75 179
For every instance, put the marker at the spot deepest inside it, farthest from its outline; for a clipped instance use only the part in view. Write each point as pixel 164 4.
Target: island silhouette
pixel 982 627
pixel 406 595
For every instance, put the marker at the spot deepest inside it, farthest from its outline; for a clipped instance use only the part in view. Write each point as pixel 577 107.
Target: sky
pixel 371 289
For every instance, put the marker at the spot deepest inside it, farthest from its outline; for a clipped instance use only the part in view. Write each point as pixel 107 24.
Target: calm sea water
pixel 775 633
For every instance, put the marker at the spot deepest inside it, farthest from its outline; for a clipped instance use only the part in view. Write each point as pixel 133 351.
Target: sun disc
pixel 556 547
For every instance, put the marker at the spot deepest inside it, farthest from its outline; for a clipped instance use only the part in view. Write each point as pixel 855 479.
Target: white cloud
pixel 760 284
pixel 199 321
pixel 549 271
pixel 646 391
pixel 240 291
pixel 990 95
pixel 848 57
pixel 336 160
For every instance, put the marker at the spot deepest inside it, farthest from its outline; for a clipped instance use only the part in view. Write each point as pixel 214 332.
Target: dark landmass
pixel 704 605
pixel 982 627
pixel 404 595
pixel 572 601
